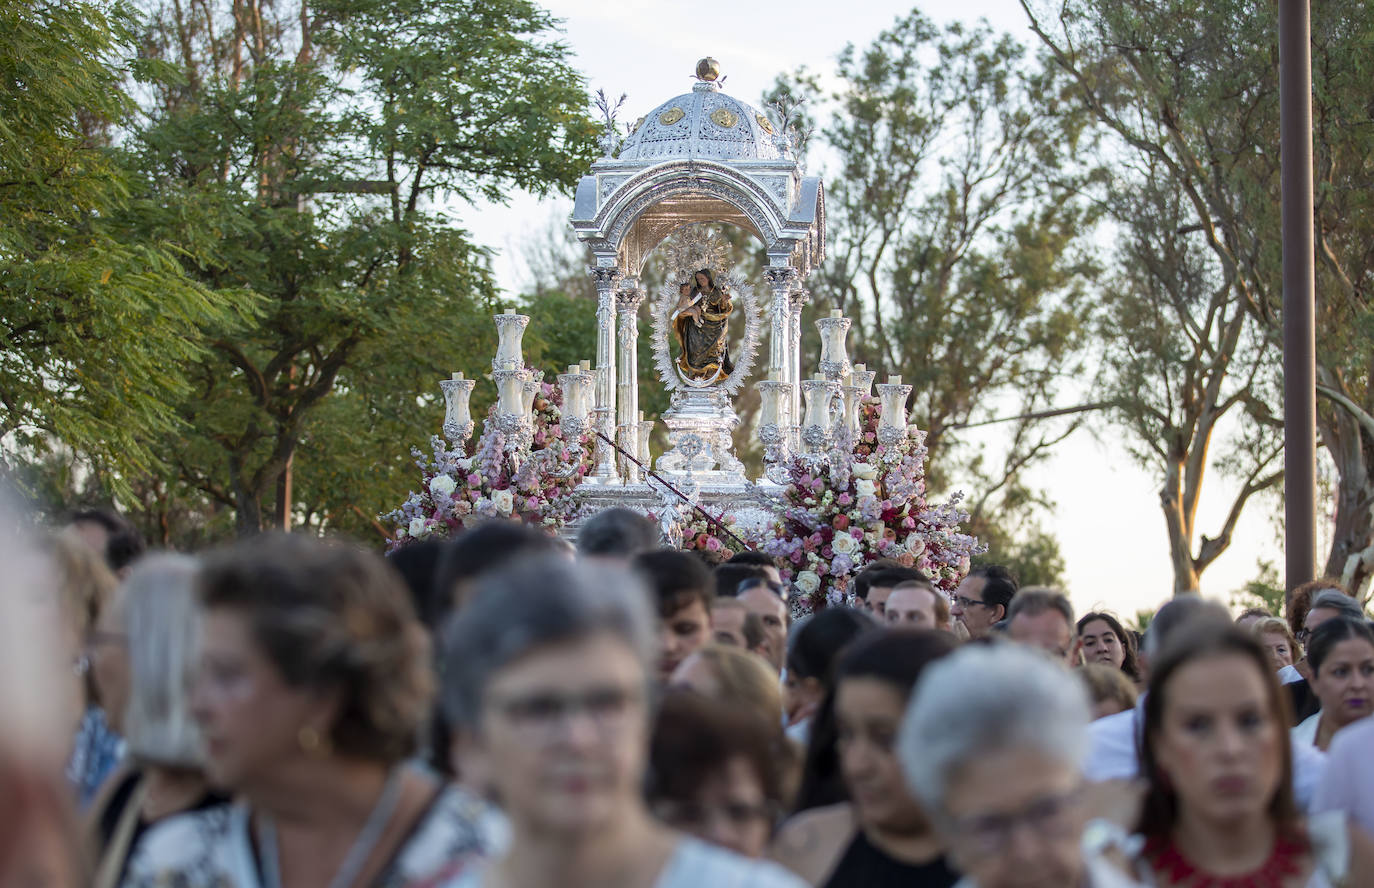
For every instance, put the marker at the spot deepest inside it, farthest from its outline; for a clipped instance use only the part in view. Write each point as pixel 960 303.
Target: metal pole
pixel 1299 311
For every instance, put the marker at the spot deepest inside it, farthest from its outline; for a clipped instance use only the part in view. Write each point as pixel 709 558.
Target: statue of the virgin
pixel 699 321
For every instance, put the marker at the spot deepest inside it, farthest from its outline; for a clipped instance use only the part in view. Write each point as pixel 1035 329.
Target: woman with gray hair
pixel 993 745
pixel 549 668
pixel 144 652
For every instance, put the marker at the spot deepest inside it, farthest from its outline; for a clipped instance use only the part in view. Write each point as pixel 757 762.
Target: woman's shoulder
pixel 810 843
pixel 695 863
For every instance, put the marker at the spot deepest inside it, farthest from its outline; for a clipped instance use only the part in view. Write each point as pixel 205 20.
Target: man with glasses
pixel 982 599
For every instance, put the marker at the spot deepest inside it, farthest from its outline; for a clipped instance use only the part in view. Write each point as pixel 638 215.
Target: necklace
pixel 358 853
pixel 1284 861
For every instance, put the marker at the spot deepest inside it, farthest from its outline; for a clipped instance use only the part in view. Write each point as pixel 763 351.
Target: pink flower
pixel 909 523
pixel 701 540
pixel 796 556
pixel 474 480
pixel 712 544
pixel 817 486
pixel 532 502
pixel 841 522
pixel 844 499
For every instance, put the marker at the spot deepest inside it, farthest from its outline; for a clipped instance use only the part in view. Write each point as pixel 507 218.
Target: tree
pixel 1190 88
pixel 302 152
pixel 96 325
pixel 957 243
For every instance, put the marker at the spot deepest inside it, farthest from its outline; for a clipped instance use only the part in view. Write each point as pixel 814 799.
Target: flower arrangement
pixel 861 504
pixel 460 488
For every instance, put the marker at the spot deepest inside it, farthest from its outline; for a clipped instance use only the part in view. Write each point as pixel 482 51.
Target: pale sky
pixel 1107 520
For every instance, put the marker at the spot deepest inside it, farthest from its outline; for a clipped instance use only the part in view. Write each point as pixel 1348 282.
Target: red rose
pixel 841 522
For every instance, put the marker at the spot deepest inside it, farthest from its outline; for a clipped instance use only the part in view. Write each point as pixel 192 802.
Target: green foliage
pixel 958 244
pixel 97 324
pixel 1264 591
pixel 305 160
pixel 1032 555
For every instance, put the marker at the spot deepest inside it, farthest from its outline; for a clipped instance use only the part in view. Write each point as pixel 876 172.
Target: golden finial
pixel 708 70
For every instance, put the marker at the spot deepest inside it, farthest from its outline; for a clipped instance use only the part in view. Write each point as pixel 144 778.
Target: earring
pixel 311 741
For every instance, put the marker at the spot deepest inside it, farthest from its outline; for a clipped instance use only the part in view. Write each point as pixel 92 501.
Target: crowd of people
pixel 507 710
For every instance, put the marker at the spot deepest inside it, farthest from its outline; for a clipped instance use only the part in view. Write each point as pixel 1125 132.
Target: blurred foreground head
pixel 37 828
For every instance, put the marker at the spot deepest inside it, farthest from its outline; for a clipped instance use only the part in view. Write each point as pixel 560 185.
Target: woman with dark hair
pixel 811 653
pixel 718 772
pixel 1219 806
pixel 879 835
pixel 1102 639
pixel 314 678
pixel 1341 656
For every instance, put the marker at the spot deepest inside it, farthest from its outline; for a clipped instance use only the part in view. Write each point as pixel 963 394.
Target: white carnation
pixel 844 544
pixel 504 501
pixel 418 528
pixel 442 486
pixel 807 581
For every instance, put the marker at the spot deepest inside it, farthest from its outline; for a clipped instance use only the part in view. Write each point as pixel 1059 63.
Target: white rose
pixel 503 500
pixel 807 581
pixel 915 545
pixel 418 528
pixel 864 470
pixel 843 544
pixel 442 486
pixel 864 487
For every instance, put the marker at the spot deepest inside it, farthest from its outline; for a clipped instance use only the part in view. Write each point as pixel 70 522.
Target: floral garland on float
pixel 857 493
pixel 532 454
pixel 459 489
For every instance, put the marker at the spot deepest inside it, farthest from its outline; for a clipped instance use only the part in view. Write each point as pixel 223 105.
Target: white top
pixel 694 864
pixel 1305 734
pixel 1289 674
pixel 212 847
pixel 1348 786
pixel 1113 754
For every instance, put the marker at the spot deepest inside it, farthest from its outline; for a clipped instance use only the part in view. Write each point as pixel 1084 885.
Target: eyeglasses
pixel 541 717
pixel 1048 817
pixel 965 602
pixel 1303 635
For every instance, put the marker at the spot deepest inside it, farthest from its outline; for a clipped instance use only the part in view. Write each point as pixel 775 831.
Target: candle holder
pixel 529 390
pixel 458 423
pixel 772 435
pixel 892 424
pixel 816 429
pixel 834 353
pixel 510 330
pixel 646 429
pixel 862 378
pixel 575 385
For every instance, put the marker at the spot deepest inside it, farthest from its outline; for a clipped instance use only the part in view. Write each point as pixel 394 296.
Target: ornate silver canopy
pixel 701 157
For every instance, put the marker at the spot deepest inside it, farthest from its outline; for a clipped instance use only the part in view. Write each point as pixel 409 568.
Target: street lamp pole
pixel 1299 291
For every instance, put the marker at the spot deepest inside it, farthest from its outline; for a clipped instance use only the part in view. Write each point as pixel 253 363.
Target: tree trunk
pixel 1180 526
pixel 282 518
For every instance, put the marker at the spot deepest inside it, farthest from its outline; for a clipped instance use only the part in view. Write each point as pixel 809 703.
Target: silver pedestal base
pixel 700 425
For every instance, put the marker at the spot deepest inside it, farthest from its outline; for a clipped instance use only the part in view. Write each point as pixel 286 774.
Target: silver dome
pixel 704 123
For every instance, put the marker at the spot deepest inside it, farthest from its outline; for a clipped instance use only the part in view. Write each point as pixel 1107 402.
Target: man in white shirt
pixel 1114 752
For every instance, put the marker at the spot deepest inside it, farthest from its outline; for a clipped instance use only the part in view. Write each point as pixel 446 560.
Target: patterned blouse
pixel 212 849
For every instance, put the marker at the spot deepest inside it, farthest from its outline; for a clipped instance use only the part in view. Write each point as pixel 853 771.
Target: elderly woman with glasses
pixel 551 666
pixel 992 744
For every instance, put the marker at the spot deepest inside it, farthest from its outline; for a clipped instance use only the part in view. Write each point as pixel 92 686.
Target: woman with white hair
pixel 550 669
pixel 993 744
pixel 143 656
